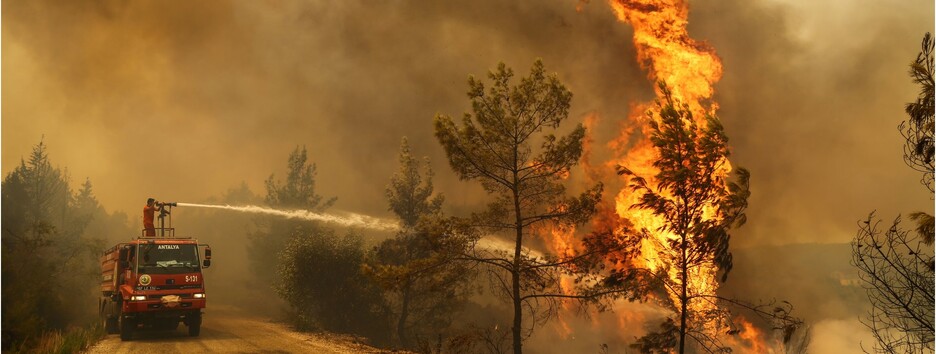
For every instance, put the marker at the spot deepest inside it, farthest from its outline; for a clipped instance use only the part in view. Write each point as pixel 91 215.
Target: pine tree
pixel 417 269
pixel 495 146
pixel 699 205
pixel 297 192
pixel 49 263
pixel 896 266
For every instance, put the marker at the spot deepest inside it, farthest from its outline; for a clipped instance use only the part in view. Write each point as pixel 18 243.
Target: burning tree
pixel 680 204
pixel 698 205
pixel 896 266
pixel 494 147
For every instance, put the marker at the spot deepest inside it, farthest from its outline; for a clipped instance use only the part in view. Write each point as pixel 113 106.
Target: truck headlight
pixel 138 298
pixel 199 295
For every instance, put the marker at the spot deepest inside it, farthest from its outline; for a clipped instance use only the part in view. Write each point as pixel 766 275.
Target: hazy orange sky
pixel 185 100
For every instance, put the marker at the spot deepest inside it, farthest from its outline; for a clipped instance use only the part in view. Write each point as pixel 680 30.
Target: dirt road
pixel 229 330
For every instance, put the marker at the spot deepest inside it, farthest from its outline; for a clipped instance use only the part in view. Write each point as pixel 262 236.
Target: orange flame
pixel 562 244
pixel 750 337
pixel 690 69
pixel 666 51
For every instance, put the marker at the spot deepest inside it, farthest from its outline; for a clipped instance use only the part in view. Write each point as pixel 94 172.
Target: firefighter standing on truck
pixel 149 212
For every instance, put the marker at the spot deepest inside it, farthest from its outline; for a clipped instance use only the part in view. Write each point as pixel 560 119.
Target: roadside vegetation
pixel 52 236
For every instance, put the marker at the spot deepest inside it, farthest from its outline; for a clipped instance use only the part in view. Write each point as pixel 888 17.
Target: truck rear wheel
pixel 126 328
pixel 194 324
pixel 107 321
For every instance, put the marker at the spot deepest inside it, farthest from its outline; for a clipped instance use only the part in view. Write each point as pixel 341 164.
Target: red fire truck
pixel 153 282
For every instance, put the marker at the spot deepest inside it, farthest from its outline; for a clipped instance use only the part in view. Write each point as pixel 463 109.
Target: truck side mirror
pixel 206 263
pixel 207 252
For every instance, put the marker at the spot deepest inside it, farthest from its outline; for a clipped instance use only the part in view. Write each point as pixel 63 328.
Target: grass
pixel 72 340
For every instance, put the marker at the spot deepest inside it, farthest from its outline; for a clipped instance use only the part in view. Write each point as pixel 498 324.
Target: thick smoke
pixel 185 100
pixel 182 101
pixel 811 99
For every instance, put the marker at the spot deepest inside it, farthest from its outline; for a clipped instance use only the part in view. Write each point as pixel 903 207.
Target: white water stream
pixel 350 219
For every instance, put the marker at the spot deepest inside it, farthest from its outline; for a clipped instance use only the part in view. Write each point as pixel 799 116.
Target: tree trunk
pixel 404 313
pixel 518 306
pixel 684 299
pixel 515 272
pixel 518 309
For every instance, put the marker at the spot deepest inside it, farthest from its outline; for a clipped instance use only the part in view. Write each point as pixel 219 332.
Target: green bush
pixel 320 277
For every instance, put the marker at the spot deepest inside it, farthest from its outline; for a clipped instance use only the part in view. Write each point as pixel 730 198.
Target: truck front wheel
pixel 194 324
pixel 127 326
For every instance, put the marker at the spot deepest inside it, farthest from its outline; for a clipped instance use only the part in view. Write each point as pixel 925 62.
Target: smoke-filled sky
pixel 184 100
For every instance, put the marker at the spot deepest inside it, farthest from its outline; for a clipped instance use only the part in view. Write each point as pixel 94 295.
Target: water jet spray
pixel 350 219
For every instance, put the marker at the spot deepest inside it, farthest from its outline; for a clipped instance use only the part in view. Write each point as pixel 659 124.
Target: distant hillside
pixel 816 278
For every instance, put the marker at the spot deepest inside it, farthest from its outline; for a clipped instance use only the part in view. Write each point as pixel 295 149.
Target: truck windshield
pixel 168 259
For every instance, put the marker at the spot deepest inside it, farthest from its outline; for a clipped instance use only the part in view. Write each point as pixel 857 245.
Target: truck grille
pixel 169 287
pixel 156 306
pixel 184 296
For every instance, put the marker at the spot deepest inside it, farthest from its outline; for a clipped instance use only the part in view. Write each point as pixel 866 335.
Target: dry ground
pixel 226 329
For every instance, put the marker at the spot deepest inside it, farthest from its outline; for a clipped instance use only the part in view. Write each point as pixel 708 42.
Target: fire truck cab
pixel 153 282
